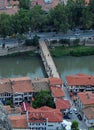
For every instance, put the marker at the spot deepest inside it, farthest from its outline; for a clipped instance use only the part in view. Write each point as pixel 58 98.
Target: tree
pixel 24 4
pixel 75 9
pixel 43 98
pixel 35 40
pixel 37 17
pixel 87 18
pixel 20 22
pixel 74 125
pixel 58 18
pixel 5 27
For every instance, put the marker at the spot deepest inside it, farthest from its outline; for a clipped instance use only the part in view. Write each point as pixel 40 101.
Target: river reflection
pixel 21 66
pixel 33 67
pixel 72 65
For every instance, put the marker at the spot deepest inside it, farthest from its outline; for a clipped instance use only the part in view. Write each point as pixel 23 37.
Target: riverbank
pixel 72 51
pixel 18 51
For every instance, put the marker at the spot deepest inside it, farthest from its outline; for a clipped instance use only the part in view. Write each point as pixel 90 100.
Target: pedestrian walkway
pixel 47 60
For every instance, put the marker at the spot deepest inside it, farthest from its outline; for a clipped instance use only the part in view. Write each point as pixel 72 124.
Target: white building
pixel 88 116
pixel 16 89
pixel 44 118
pixel 80 83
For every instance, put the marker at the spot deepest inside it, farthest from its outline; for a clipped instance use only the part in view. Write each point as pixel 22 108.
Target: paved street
pixel 54 35
pixel 82 125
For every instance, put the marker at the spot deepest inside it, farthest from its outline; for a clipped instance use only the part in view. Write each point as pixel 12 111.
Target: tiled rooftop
pixel 15 110
pixel 62 104
pixel 55 81
pixel 53 115
pixel 57 92
pixel 18 121
pixel 5 86
pixel 45 6
pixel 23 84
pixel 87 98
pixel 40 84
pixel 79 80
pixel 89 112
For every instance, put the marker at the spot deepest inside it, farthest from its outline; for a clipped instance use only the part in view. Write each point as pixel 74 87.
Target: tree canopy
pixel 43 98
pixel 24 4
pixel 75 14
pixel 74 125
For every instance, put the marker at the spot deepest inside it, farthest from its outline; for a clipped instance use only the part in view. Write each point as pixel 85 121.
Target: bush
pixel 28 42
pixel 65 41
pixel 53 41
pixel 76 42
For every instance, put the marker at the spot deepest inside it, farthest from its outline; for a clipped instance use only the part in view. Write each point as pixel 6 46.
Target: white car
pixel 77 34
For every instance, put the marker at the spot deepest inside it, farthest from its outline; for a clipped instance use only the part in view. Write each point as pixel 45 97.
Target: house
pixel 5 90
pixel 44 118
pixel 13 110
pixel 57 92
pixel 62 104
pixel 39 84
pixel 88 116
pixel 16 89
pixel 22 90
pixel 80 83
pixel 19 121
pixel 46 4
pixel 8 6
pixel 53 81
pixel 85 99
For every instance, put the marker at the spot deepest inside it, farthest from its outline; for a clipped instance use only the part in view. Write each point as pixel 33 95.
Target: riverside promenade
pixel 47 60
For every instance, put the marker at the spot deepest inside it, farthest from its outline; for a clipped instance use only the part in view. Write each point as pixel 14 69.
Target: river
pixel 33 67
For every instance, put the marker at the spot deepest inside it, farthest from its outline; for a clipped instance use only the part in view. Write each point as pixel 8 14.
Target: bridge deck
pixel 48 59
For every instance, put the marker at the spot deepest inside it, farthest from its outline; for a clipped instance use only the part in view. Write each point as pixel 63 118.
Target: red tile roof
pixel 18 121
pixel 89 112
pixel 15 110
pixel 21 85
pixel 9 11
pixel 87 98
pixel 79 80
pixel 53 115
pixel 62 104
pixel 55 81
pixel 57 92
pixel 45 6
pixel 5 86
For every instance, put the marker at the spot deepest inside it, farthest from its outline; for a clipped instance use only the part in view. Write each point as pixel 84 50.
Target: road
pixel 54 35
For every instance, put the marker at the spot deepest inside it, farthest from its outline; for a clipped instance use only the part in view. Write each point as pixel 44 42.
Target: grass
pixel 72 51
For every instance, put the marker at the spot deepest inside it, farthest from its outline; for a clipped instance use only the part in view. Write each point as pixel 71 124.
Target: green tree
pixel 75 9
pixel 91 6
pixel 37 17
pixel 8 102
pixel 5 27
pixel 20 22
pixel 58 18
pixel 87 18
pixel 35 40
pixel 24 4
pixel 43 98
pixel 74 125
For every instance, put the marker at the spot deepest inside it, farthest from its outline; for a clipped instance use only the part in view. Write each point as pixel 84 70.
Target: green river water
pixel 33 67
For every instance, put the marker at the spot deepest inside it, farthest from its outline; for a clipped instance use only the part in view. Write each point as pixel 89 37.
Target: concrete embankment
pixel 9 51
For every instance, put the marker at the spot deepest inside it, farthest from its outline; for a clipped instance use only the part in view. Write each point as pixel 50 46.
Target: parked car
pixel 77 34
pixel 79 117
pixel 67 116
pixel 75 111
